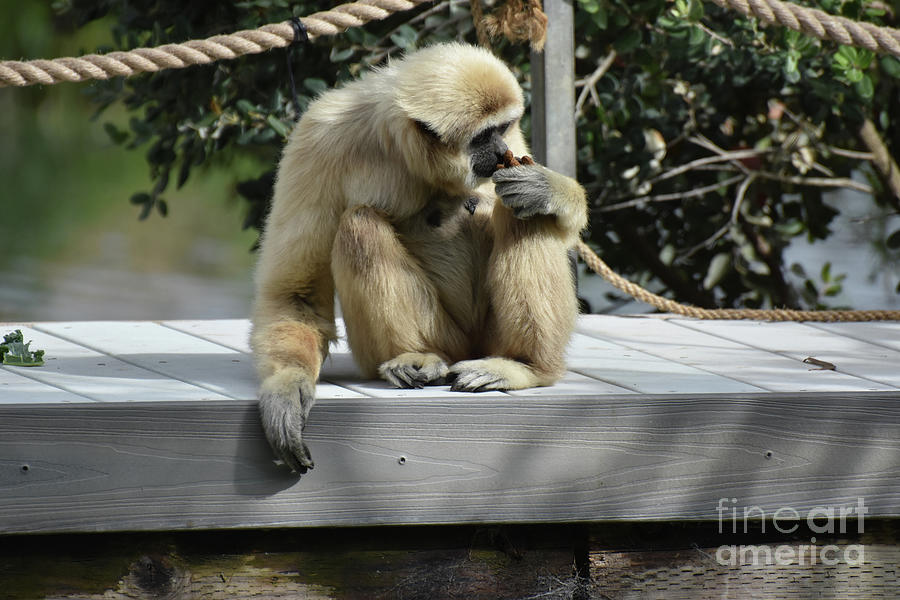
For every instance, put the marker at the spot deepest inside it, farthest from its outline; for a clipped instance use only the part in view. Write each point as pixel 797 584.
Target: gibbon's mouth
pixel 483 172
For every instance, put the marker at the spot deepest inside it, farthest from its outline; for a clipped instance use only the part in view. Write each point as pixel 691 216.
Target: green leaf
pixel 15 352
pixel 853 75
pixel 115 134
pixel 589 6
pixel 600 18
pixel 337 56
pixel 405 37
pixel 628 41
pixel 279 127
pixel 718 268
pixel 891 66
pixel 246 107
pixel 695 10
pixel 865 87
pixel 833 290
pixel 140 198
pixel 315 85
pixel 697 36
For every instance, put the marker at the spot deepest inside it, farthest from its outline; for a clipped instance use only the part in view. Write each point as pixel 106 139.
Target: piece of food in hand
pixel 509 160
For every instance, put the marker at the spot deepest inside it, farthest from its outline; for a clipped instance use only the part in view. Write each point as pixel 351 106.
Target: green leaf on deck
pixel 14 351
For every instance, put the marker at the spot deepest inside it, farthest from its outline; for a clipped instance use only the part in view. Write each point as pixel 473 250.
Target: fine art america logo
pixel 827 520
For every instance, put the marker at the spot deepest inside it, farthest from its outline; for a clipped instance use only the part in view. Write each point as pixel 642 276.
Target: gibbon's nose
pixel 500 149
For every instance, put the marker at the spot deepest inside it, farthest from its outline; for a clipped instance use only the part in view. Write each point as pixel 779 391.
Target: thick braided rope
pixel 278 35
pixel 596 264
pixel 819 24
pixel 197 52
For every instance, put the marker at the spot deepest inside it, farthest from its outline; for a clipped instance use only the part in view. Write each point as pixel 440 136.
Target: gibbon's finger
pixel 527 204
pixel 511 173
pixel 521 175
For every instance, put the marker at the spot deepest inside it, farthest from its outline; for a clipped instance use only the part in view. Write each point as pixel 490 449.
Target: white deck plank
pixel 854 356
pixel 100 377
pixel 643 372
pixel 190 360
pixel 233 333
pixel 676 341
pixel 17 388
pixel 177 355
pixel 881 333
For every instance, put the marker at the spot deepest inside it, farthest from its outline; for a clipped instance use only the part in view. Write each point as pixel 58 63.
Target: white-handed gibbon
pixel 446 267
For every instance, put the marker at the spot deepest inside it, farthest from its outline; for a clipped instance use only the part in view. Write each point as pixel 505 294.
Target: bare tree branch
pixel 694 193
pixel 589 82
pixel 725 156
pixel 834 182
pixel 735 213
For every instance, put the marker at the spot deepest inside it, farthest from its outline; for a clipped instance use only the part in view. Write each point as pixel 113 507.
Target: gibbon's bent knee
pixel 364 238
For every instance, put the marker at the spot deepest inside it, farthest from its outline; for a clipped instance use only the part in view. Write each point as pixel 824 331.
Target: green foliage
pixel 760 118
pixel 15 351
pixel 706 144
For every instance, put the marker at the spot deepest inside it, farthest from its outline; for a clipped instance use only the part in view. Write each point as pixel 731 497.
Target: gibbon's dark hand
pixel 525 189
pixel 283 419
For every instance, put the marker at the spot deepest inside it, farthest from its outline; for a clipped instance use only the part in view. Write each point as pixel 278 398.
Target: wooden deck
pixel 142 426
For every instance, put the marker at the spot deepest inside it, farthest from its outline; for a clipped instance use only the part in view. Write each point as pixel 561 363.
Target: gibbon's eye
pixel 482 137
pixel 505 127
pixel 427 130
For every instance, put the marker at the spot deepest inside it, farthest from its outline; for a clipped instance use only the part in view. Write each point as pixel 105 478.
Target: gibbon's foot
pixel 488 374
pixel 524 189
pixel 414 370
pixel 283 419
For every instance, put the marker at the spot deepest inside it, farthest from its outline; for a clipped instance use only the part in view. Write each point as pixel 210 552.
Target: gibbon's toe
pixel 296 456
pixel 414 370
pixel 477 376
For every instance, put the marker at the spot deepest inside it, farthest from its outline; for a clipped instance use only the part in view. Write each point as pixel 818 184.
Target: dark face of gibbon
pixel 487 149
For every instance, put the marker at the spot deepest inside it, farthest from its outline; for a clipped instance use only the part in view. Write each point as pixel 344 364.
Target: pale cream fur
pixel 354 211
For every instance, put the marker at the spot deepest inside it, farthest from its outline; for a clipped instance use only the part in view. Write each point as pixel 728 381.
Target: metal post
pixel 553 91
pixel 553 140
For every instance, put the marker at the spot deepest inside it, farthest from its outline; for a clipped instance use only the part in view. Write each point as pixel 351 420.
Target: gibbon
pixel 446 268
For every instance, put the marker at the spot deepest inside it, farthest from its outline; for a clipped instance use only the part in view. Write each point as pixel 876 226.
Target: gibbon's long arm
pixel 293 321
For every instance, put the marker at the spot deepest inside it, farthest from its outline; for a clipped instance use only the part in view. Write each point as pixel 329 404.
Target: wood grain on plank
pixel 427 461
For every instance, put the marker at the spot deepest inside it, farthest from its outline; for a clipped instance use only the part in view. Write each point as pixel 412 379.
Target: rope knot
pixel 519 21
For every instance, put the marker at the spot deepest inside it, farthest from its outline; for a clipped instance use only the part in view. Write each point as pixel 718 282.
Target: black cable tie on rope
pixel 300 35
